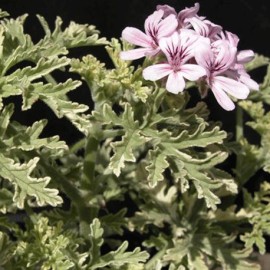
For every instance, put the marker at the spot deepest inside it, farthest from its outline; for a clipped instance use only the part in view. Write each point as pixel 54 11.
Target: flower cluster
pixel 192 48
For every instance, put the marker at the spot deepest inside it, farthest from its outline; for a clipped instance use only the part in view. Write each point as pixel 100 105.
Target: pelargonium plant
pixel 147 185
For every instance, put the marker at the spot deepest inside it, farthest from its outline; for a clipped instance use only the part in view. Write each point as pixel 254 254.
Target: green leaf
pixel 75 35
pixel 72 111
pixel 257 208
pixel 156 167
pixel 46 91
pixel 96 233
pixel 5 119
pixel 43 67
pixel 14 31
pixel 3 14
pixel 46 246
pixel 25 185
pixel 123 150
pixel 115 222
pixel 6 249
pixel 198 138
pixel 257 62
pixel 116 258
pixel 1 39
pixel 121 257
pixel 5 200
pixel 28 139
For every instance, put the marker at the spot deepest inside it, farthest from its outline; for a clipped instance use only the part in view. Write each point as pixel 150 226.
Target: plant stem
pixel 239 134
pixel 84 211
pixel 90 162
pixel 77 146
pixel 50 79
pixel 239 123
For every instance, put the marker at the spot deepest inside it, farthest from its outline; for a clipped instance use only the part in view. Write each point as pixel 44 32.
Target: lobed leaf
pixel 25 185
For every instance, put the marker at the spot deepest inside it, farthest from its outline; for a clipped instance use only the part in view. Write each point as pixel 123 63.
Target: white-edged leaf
pixel 156 167
pixel 25 185
pixel 123 150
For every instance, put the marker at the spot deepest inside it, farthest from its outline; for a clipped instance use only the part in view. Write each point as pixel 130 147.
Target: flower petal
pixel 136 37
pixel 156 72
pixel 167 26
pixel 232 38
pixel 175 83
pixel 152 21
pixel 204 55
pixel 199 26
pixel 224 101
pixel 232 87
pixel 188 13
pixel 251 84
pixel 168 10
pixel 135 54
pixel 225 57
pixel 189 40
pixel 213 29
pixel 170 45
pixel 192 72
pixel 245 56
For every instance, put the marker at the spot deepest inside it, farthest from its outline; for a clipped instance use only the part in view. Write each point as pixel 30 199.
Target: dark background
pixel 249 19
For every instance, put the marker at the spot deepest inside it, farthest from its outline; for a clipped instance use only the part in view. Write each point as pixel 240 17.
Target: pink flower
pixel 237 71
pixel 188 18
pixel 186 14
pixel 168 10
pixel 217 59
pixel 183 16
pixel 155 29
pixel 205 28
pixel 178 49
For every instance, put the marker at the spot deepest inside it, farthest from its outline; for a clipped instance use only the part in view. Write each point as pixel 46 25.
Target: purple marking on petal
pixel 151 24
pixel 225 55
pixel 170 47
pixel 199 26
pixel 204 56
